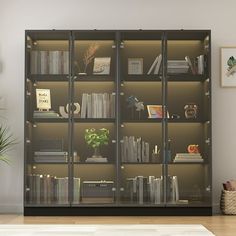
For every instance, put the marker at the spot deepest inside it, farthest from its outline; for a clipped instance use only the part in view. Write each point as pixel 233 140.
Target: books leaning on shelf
pixel 45 114
pixel 155 67
pixel 134 149
pixel 98 105
pixel 47 189
pixel 173 189
pixel 49 62
pixel 188 157
pixel 198 65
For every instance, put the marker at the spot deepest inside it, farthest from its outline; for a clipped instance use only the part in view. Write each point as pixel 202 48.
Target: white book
pixel 44 63
pixel 188 160
pixel 157 190
pixel 84 105
pixel 89 106
pixel 153 65
pixel 158 65
pixel 126 149
pixel 65 62
pixel 140 189
pixel 113 105
pixel 176 188
pixel 100 105
pixel 34 62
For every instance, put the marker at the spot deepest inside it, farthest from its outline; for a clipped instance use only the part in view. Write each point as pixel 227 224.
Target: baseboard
pixel 11 209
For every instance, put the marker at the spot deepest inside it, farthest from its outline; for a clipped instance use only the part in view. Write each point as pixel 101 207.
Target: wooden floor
pixel 219 225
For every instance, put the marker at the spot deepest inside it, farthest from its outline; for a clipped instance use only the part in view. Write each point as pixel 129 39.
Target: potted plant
pixel 6 142
pixel 96 138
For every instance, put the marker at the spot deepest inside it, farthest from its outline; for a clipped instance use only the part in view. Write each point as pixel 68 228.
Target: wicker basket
pixel 228 202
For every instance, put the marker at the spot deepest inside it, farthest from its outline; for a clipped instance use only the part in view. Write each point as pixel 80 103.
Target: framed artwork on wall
pixel 228 66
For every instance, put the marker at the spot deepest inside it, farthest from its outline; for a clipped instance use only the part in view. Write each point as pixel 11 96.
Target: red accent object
pixel 193 148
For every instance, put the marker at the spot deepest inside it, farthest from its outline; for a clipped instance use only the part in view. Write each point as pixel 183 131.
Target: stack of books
pixel 188 157
pixel 177 66
pixel 134 149
pixel 98 105
pixel 49 156
pixel 96 159
pixel 49 62
pixel 45 114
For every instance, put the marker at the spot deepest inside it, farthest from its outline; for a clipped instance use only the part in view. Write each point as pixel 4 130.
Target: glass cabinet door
pixel 46 134
pixel 94 120
pixel 188 105
pixel 140 161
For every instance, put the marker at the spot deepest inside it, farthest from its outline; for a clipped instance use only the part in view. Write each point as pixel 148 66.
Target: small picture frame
pixel 228 67
pixel 101 65
pixel 135 66
pixel 155 111
pixel 43 99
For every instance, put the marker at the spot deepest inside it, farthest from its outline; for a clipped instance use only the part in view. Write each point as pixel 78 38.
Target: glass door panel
pixel 141 178
pixel 188 105
pixel 94 125
pixel 47 144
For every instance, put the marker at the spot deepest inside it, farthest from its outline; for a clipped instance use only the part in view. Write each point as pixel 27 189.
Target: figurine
pixel 193 148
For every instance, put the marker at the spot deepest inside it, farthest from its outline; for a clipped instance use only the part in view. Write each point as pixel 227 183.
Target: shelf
pixel 49 78
pixel 94 120
pixel 47 163
pixel 186 78
pixel 94 78
pixel 142 121
pixel 142 78
pixel 159 120
pixel 51 120
pixel 141 163
pixel 93 163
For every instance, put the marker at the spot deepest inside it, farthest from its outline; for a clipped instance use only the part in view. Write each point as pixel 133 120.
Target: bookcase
pixel 118 122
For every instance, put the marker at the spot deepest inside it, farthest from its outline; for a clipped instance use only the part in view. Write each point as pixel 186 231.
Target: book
pixel 158 65
pixel 153 65
pixel 187 58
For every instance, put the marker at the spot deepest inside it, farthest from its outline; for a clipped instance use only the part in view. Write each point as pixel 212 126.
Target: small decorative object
pixel 89 56
pixel 133 102
pixel 193 148
pixel 43 99
pixel 228 66
pixel 64 112
pixel 95 139
pixel 175 116
pixel 190 110
pixel 101 66
pixel 155 111
pixel 155 155
pixel 135 66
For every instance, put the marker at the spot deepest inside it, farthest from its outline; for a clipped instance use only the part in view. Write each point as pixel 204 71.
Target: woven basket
pixel 228 202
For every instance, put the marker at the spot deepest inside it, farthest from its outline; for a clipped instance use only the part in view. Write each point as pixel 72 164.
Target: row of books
pixel 45 114
pixel 49 62
pixel 141 189
pixel 45 156
pixel 177 66
pixel 134 149
pixel 98 105
pixel 47 189
pixel 198 65
pixel 188 157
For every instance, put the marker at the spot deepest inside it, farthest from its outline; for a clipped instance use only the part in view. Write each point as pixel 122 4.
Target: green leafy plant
pixel 96 138
pixel 6 142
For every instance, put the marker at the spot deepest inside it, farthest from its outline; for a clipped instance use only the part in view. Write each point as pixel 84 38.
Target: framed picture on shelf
pixel 228 66
pixel 101 66
pixel 43 99
pixel 135 66
pixel 155 111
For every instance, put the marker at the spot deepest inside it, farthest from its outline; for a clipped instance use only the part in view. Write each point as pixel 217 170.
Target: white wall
pixel 18 15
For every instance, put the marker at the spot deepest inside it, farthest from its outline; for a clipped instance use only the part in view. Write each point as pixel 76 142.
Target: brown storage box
pixel 228 202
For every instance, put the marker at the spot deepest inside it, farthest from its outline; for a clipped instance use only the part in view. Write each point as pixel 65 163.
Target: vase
pixel 96 153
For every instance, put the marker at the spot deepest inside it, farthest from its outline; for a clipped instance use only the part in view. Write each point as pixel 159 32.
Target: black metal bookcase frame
pixel 118 208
